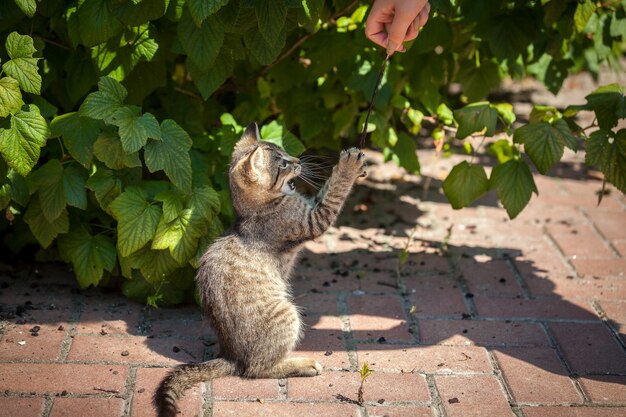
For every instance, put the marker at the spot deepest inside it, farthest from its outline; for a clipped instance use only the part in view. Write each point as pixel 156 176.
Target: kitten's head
pixel 260 171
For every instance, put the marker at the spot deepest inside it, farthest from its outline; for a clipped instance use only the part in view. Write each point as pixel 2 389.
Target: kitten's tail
pixel 184 377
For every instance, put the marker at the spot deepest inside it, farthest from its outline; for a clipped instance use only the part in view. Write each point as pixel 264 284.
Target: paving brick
pixel 323 341
pixel 19 343
pixel 574 411
pixel 256 409
pixel 489 277
pixel 589 348
pixel 73 378
pixel 345 279
pixel 536 375
pixel 331 386
pixel 614 310
pixel 605 389
pixel 234 388
pixel 572 247
pixel 110 315
pixel 21 407
pixel 435 296
pixel 148 379
pixel 537 308
pixel 424 358
pixel 482 333
pixel 140 349
pixel 87 407
pixel 372 317
pixel 541 260
pixel 396 387
pixel 620 246
pixel 317 304
pixel 601 267
pixel 382 411
pixel 611 223
pixel 476 395
pixel 586 288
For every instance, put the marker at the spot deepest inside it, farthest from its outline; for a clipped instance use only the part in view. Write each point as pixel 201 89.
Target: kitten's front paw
pixel 352 163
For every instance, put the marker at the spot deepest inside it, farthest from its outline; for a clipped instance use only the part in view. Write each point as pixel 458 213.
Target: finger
pixel 423 16
pixel 413 30
pixel 398 29
pixel 375 24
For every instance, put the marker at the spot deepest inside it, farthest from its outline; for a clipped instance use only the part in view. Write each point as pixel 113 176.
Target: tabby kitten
pixel 243 277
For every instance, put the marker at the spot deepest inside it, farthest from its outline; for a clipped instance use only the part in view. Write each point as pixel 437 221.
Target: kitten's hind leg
pixel 292 367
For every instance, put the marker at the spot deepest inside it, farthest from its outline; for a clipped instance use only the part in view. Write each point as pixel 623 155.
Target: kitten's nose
pixel 297 168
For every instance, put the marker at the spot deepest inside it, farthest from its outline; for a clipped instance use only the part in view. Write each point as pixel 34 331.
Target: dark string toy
pixel 373 99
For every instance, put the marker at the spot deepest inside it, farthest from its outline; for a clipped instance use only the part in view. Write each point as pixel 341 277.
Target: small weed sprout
pixel 365 372
pixel 403 255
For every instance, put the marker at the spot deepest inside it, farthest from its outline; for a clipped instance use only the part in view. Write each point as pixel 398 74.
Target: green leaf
pixel 156 265
pixel 515 184
pixel 205 202
pixel 89 255
pixel 609 153
pixel 19 188
pixel 556 73
pixel 609 104
pixel 97 24
pixel 503 150
pixel 476 117
pixel 543 143
pixel 44 230
pixel 74 181
pixel 137 13
pixel 135 128
pixel 108 149
pixel 207 81
pixel 201 43
pixel 10 96
pixel 103 103
pixel 464 184
pixel 264 52
pixel 105 185
pixel 171 154
pixel 29 7
pixel 173 204
pixel 201 9
pixel 509 35
pixel 22 66
pixel 582 14
pixel 271 19
pixel 180 235
pixel 478 82
pixel 277 134
pixel 505 110
pixel 404 153
pixel 540 145
pixel 20 145
pixel 137 220
pixel 596 145
pixel 49 182
pixel 79 135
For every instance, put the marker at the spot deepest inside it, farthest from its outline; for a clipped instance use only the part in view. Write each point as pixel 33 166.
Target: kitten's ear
pixel 250 137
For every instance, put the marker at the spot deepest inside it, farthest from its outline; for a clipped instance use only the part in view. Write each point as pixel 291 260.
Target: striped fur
pixel 243 277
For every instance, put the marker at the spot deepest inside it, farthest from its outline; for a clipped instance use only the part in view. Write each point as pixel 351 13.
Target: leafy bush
pixel 118 117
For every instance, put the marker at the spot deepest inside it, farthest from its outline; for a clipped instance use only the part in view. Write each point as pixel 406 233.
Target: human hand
pixel 392 22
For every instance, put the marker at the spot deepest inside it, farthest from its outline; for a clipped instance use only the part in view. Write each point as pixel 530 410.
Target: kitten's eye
pixel 284 163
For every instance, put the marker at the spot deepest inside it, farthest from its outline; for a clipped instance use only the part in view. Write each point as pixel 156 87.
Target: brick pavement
pixel 487 317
